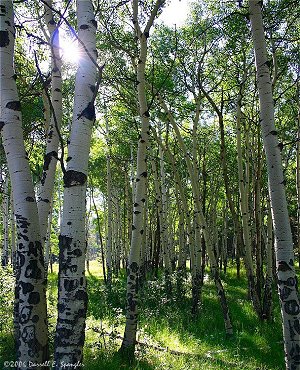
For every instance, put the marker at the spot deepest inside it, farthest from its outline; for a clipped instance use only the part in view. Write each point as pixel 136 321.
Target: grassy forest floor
pixel 166 326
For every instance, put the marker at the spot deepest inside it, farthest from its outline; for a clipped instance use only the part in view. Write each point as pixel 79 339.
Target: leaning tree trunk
pixel 30 309
pixel 289 300
pixel 72 296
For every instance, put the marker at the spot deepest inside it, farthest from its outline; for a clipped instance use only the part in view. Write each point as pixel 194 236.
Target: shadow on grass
pixel 169 322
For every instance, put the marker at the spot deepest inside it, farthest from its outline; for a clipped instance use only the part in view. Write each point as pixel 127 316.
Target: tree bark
pixel 30 307
pixel 140 190
pixel 72 295
pixel 289 300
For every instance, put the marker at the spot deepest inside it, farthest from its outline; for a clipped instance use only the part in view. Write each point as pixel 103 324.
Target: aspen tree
pixel 140 191
pixel 72 295
pixel 50 159
pixel 109 244
pixel 30 306
pixel 201 220
pixel 289 300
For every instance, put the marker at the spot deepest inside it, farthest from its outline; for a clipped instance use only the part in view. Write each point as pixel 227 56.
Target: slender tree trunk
pixel 244 206
pixel 289 300
pixel 140 191
pixel 30 307
pixel 201 221
pixel 267 299
pixel 109 213
pixel 72 295
pixel 48 177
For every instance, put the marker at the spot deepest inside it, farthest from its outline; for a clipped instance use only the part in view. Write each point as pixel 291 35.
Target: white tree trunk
pixel 140 189
pixel 72 296
pixel 47 182
pixel 32 339
pixel 289 300
pixel 5 218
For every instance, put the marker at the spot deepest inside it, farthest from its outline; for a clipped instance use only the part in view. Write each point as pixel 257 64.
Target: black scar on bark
pixel 47 160
pixel 26 287
pixel 134 267
pixel 35 319
pixel 283 266
pixel 84 27
pixel 22 222
pixel 131 302
pixel 136 212
pixel 68 159
pixel 33 271
pixel 44 200
pixel 28 334
pixel 34 298
pixel 88 112
pixel 61 307
pixel 147 114
pixel 285 293
pixel 4 39
pixel 25 314
pixel 57 89
pixel 25 237
pixel 144 174
pixel 77 252
pixel 70 285
pixel 14 105
pixel 94 23
pixel 291 307
pixel 1 125
pixel 74 178
pixel 93 88
pixel 29 199
pixel 61 334
pixel 81 295
pixel 133 227
pixel 143 200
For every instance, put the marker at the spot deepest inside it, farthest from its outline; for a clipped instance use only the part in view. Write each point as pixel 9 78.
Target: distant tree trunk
pixel 72 295
pixel 244 206
pixel 287 286
pixel 201 221
pixel 109 233
pixel 30 307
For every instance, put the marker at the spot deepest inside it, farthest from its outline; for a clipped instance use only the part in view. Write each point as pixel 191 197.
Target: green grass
pixel 200 341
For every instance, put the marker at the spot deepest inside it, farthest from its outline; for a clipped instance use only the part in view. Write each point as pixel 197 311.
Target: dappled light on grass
pixel 200 341
pixel 169 336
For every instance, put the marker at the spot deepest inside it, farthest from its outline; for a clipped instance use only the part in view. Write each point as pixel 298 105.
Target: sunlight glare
pixel 69 48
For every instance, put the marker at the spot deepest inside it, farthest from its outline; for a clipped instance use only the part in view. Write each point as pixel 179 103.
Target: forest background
pixel 150 148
